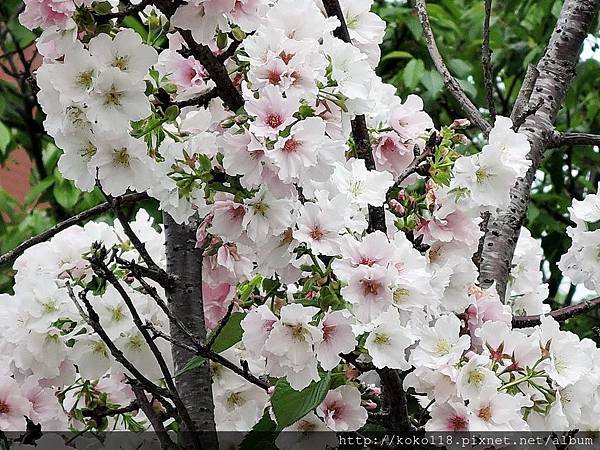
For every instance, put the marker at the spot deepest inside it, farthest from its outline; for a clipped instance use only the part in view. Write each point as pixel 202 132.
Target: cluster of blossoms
pixel 285 196
pixel 580 263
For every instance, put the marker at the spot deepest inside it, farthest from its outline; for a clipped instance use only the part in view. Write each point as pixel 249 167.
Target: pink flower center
pixel 371 287
pixel 388 145
pixel 274 120
pixel 458 423
pixel 335 411
pixel 237 213
pixel 274 77
pixel 291 145
pixel 328 331
pixel 286 57
pixel 316 233
pixel 366 261
pixel 4 408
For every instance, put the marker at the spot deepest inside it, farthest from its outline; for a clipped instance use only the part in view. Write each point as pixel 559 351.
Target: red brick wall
pixel 14 173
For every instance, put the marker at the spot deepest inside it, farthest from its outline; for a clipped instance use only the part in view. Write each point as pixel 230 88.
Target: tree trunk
pixel 184 263
pixel 556 70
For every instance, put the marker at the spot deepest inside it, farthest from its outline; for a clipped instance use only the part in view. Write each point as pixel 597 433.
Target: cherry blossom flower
pixel 341 410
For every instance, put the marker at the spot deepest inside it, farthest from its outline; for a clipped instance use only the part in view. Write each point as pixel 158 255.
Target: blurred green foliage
pixel 519 32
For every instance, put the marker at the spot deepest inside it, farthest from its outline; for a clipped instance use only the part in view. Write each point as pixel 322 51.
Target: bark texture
pixel 184 263
pixel 555 72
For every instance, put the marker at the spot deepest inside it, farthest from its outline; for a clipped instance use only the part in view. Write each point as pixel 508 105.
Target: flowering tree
pixel 328 256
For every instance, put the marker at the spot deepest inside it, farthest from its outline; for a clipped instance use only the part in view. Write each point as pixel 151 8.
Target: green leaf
pixel 432 81
pixel 413 72
pixel 398 54
pixel 230 335
pixel 66 193
pixel 38 190
pixel 245 289
pixel 290 405
pixel 460 68
pixel 193 363
pixel 468 88
pixel 5 137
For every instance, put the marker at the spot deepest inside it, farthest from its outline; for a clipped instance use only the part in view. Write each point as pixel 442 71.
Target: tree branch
pixel 360 132
pixel 217 71
pixel 486 61
pixel 450 82
pixel 100 267
pixel 524 94
pixel 416 164
pixel 10 256
pixel 93 320
pixel 184 264
pixel 559 314
pixel 556 70
pixel 166 443
pixel 559 139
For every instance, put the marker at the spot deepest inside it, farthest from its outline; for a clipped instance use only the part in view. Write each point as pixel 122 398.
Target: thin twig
pixel 206 353
pixel 93 320
pixel 104 272
pixel 558 314
pixel 166 443
pixel 450 82
pixel 486 61
pixel 560 139
pixel 10 256
pixel 152 292
pixel 522 101
pixel 422 157
pixel 102 412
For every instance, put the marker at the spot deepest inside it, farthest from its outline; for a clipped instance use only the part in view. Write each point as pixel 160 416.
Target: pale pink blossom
pixel 409 120
pixel 337 338
pixel 369 292
pixel 47 13
pixel 14 406
pixel 342 410
pixel 272 111
pixel 216 300
pixel 448 416
pixel 392 154
pixel 257 326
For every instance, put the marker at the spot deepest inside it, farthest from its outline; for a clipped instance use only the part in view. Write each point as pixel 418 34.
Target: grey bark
pixel 556 70
pixel 184 263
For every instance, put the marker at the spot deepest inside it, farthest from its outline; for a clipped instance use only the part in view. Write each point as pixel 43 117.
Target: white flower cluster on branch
pixel 287 197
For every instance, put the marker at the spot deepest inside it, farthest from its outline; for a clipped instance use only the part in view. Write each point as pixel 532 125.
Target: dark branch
pixel 486 61
pixel 522 101
pixel 93 320
pixel 217 71
pixel 9 257
pixel 450 82
pixel 417 164
pixel 560 139
pixel 558 314
pixel 166 442
pixel 100 267
pixel 391 379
